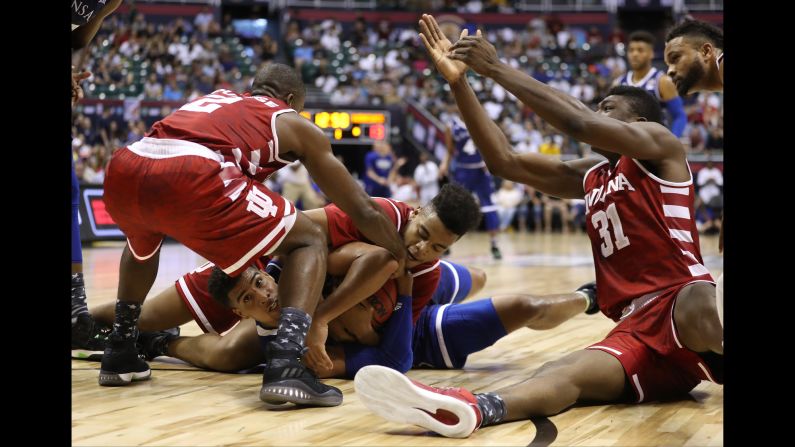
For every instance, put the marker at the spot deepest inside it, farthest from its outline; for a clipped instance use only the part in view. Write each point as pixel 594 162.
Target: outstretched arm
pixel 544 173
pixel 82 35
pixel 312 147
pixel 640 140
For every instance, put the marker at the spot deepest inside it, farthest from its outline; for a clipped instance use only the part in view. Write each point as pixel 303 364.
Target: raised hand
pixel 476 52
pixel 438 46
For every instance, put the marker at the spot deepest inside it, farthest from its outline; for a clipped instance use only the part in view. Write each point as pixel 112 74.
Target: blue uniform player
pixel 87 16
pixel 640 53
pixel 469 170
pixel 446 334
pixel 377 164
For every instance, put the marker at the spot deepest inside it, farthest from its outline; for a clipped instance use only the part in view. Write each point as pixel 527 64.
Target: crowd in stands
pixel 356 64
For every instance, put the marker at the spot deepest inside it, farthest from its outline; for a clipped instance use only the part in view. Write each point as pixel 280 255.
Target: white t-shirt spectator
pixel 427 177
pixel 709 181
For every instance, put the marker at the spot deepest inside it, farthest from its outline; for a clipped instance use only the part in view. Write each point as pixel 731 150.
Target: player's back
pixel 242 128
pixel 643 233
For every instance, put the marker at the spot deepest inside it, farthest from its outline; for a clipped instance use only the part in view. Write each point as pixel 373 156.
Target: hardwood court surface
pixel 185 406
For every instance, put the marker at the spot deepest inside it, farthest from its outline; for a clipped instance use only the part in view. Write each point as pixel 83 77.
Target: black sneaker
pixel 589 290
pixel 286 381
pixel 121 364
pixel 154 344
pixel 495 252
pixel 89 338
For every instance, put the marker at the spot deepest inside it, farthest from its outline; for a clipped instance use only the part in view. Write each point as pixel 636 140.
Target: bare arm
pixel 312 147
pixel 541 172
pixel 365 268
pixel 640 140
pixel 448 141
pixel 83 34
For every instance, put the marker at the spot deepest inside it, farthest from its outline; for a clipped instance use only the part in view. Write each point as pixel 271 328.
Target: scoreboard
pixel 351 126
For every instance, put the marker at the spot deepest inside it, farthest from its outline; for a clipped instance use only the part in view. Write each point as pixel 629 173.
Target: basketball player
pixel 360 336
pixel 640 53
pixel 470 171
pixel 87 17
pixel 649 273
pixel 198 176
pixel 694 53
pixel 428 232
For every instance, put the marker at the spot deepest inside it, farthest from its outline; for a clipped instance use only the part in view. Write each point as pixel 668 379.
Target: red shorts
pixel 209 314
pixel 158 187
pixel 646 343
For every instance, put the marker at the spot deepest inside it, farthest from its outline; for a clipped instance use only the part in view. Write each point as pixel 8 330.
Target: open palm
pixel 438 45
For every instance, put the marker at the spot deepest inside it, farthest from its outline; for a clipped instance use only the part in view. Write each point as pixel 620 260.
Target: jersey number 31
pixel 600 223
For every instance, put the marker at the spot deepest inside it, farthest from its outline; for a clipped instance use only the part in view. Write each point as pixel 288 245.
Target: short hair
pixel 640 101
pixel 457 209
pixel 220 284
pixel 280 78
pixel 697 28
pixel 642 36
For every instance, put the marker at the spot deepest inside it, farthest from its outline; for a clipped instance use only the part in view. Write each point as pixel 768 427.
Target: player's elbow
pixel 503 165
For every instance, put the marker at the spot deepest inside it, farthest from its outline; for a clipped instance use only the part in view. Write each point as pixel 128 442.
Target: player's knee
pixel 694 304
pixel 696 318
pixel 478 279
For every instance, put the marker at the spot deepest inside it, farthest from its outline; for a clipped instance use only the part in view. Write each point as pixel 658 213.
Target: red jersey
pixel 643 233
pixel 342 230
pixel 241 128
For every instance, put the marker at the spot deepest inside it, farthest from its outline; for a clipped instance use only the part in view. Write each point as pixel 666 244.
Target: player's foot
pixel 154 344
pixel 451 412
pixel 589 290
pixel 88 338
pixel 287 381
pixel 121 364
pixel 495 252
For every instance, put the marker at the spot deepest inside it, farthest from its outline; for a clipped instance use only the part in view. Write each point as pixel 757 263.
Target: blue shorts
pixel 479 182
pixel 445 335
pixel 454 284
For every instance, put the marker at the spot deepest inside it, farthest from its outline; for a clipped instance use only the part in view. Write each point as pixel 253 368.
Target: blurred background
pixel 372 89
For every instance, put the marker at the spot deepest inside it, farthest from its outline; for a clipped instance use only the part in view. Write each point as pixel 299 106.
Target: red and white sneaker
pixel 451 412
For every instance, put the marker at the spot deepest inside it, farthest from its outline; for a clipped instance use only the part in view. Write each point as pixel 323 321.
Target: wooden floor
pixel 184 406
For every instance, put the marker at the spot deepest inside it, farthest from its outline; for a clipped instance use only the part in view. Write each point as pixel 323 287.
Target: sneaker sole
pixel 286 392
pixel 115 379
pixel 392 396
pixel 82 354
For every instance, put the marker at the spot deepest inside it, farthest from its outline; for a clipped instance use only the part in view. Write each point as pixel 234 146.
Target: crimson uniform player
pixel 197 176
pixel 649 274
pixel 694 53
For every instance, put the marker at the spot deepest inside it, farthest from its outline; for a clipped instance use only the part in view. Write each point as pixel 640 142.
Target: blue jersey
pixel 650 82
pixel 381 164
pixel 466 155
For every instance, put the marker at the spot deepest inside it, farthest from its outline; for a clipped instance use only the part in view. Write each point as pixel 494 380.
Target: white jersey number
pixel 600 223
pixel 211 102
